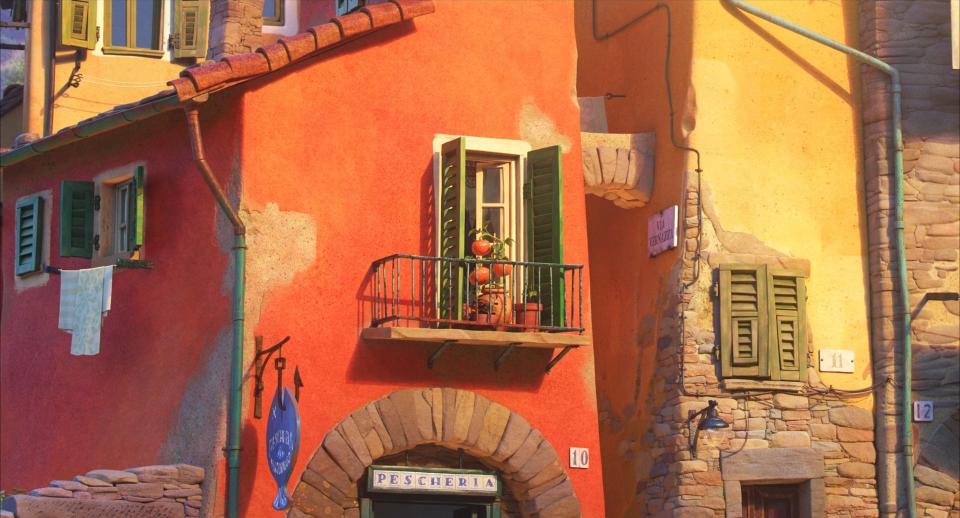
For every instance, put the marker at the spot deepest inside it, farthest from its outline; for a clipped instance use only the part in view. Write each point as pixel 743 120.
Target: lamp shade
pixel 713 423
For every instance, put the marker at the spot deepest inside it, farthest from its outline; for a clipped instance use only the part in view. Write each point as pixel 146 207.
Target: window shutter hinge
pixel 526 191
pixel 96 202
pixel 96 242
pixel 97 36
pixel 174 42
pixel 715 290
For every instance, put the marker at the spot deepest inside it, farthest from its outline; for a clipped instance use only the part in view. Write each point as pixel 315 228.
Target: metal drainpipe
pixel 239 258
pixel 906 432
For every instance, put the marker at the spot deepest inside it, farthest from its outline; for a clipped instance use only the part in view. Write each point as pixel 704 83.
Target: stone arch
pixel 451 418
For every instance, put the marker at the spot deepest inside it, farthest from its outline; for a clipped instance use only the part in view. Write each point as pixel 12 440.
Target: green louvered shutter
pixel 191 25
pixel 137 208
pixel 743 321
pixel 78 23
pixel 543 193
pixel 786 303
pixel 453 173
pixel 76 219
pixel 29 235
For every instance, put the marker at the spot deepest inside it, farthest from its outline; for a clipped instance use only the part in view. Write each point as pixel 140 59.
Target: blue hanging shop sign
pixel 283 442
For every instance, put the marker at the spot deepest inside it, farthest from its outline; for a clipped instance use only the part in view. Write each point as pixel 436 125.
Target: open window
pixel 517 196
pixel 104 219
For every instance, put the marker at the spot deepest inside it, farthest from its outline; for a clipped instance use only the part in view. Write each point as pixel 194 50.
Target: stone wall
pixel 788 418
pixel 235 27
pixel 914 37
pixel 167 491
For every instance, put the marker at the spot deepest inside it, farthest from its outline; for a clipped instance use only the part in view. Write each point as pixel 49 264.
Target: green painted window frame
pixel 34 205
pixel 127 50
pixel 278 20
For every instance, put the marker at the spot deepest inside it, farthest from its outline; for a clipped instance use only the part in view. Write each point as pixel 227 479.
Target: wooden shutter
pixel 191 25
pixel 452 215
pixel 743 321
pixel 543 194
pixel 788 345
pixel 136 206
pixel 29 235
pixel 78 23
pixel 76 219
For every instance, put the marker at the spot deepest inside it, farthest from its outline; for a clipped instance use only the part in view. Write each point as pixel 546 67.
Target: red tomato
pixel 481 275
pixel 481 247
pixel 502 270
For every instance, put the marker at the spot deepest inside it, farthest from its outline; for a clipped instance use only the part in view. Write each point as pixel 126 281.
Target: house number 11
pixel 579 458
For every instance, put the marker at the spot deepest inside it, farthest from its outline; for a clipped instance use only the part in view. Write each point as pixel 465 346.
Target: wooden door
pixel 771 501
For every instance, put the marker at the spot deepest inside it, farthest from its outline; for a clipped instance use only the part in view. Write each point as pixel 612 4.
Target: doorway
pixel 431 508
pixel 771 501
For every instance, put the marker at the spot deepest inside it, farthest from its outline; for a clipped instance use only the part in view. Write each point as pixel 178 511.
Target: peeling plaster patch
pixel 733 242
pixel 539 129
pixel 198 431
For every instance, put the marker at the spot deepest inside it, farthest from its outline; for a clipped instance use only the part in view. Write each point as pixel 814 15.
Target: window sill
pixel 734 385
pixel 126 51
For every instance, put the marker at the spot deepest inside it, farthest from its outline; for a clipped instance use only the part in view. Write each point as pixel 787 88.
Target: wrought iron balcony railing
pixel 441 292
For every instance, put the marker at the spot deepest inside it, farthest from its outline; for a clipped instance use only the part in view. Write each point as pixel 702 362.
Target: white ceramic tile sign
pixel 923 411
pixel 836 360
pixel 579 458
pixel 662 231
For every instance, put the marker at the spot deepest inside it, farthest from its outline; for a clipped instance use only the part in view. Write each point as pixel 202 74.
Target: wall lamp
pixel 710 421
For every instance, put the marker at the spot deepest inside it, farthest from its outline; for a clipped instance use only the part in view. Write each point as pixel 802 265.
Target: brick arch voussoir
pixel 452 418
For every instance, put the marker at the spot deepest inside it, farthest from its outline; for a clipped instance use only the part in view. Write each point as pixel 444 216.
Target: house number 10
pixel 579 458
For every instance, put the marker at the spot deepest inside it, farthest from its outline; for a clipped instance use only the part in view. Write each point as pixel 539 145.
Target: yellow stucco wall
pixel 778 122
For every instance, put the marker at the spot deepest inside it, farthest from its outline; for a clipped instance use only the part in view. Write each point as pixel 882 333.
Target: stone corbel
pixel 619 166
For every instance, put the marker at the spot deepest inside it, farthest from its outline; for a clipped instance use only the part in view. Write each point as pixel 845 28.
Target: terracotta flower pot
pixel 527 314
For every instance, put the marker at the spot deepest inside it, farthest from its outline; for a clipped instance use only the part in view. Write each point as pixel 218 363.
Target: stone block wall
pixel 163 491
pixel 786 416
pixel 235 27
pixel 914 37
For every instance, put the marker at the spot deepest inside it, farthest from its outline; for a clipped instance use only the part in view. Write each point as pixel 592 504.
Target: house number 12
pixel 579 458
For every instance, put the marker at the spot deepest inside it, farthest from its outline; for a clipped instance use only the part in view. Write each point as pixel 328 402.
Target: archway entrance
pixel 435 428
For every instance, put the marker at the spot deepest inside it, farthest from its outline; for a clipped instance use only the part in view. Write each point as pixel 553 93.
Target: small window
pixel 133 27
pixel 762 323
pixel 122 212
pixel 28 247
pixel 273 12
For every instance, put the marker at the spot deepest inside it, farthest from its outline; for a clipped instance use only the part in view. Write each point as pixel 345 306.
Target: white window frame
pixel 291 20
pixel 106 185
pixel 514 151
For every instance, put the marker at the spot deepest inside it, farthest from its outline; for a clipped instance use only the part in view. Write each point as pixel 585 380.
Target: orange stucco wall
pixel 631 290
pixel 360 168
pixel 335 153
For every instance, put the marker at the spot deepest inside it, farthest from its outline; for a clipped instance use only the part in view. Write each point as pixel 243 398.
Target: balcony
pixel 477 302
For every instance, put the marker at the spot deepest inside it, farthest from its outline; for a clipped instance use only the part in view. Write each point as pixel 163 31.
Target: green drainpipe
pixel 906 432
pixel 234 420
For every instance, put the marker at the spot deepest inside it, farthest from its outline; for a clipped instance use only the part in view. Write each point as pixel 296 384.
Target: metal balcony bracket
pixel 261 364
pixel 509 349
pixel 558 357
pixel 436 354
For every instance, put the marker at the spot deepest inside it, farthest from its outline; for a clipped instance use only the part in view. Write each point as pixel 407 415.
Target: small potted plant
pixel 527 313
pixel 487 243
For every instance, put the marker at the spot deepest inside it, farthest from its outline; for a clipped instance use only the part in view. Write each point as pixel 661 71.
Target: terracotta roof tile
pixel 383 14
pixel 326 34
pixel 247 65
pixel 353 24
pixel 413 8
pixel 300 45
pixel 276 55
pixel 208 74
pixel 184 88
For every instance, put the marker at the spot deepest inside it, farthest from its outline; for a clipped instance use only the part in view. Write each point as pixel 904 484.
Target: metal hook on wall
pixel 279 364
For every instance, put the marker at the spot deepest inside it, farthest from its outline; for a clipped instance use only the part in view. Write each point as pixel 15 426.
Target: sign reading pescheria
pixel 662 231
pixel 401 479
